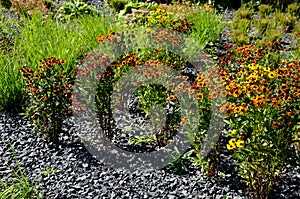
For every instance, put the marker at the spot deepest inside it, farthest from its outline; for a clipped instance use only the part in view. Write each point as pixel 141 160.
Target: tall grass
pixel 207 27
pixel 42 38
pixel 10 86
pixel 18 186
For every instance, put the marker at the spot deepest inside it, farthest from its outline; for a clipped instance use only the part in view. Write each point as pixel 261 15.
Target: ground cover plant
pixel 41 54
pixel 269 24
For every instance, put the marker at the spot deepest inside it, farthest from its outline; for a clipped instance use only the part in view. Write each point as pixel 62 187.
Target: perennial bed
pixel 257 154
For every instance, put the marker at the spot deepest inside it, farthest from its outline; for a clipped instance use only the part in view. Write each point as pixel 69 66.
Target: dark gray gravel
pixel 79 175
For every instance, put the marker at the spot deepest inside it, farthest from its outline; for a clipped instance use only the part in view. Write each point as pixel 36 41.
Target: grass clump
pixel 269 25
pixel 36 39
pixel 18 186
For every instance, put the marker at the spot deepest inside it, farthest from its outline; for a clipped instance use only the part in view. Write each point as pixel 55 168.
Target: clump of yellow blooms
pixel 159 16
pixel 235 144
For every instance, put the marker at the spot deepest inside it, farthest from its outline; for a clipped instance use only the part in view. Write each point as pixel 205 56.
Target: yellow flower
pixel 272 75
pixel 267 69
pixel 233 132
pixel 230 147
pixel 240 144
pixel 253 66
pixel 232 141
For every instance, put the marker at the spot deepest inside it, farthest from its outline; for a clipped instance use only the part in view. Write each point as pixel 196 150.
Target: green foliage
pixel 36 38
pixel 117 5
pixel 294 9
pixel 189 19
pixel 28 7
pixel 296 33
pixel 5 4
pixel 269 25
pixel 274 34
pixel 18 186
pixel 74 9
pixel 261 25
pixel 207 27
pixel 49 90
pixel 239 30
pixel 242 25
pixel 11 96
pixel 265 10
pixel 137 6
pixel 278 4
pixel 244 13
pixel 264 116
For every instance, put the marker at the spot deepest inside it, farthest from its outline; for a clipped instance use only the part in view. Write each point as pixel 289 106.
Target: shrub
pixel 278 4
pixel 262 91
pixel 243 25
pixel 117 5
pixel 261 25
pixel 27 7
pixel 6 4
pixel 265 10
pixel 294 9
pixel 275 34
pixel 74 9
pixel 49 91
pixel 244 13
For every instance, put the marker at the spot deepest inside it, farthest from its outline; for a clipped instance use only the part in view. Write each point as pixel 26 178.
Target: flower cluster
pixel 49 91
pixel 27 7
pixel 263 93
pixel 159 16
pixel 109 36
pixel 235 144
pixel 182 10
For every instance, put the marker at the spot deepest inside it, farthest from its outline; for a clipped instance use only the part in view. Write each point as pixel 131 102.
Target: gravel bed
pixel 77 174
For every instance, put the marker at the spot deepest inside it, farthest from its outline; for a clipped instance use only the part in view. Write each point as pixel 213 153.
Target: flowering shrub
pixel 49 91
pixel 25 8
pixel 263 113
pixel 203 86
pixel 74 9
pixel 148 95
pixel 136 14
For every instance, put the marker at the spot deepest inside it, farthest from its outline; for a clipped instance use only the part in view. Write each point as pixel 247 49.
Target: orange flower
pixel 276 124
pixel 290 113
pixel 237 93
pixel 183 121
pixel 212 95
pixel 230 109
pixel 241 109
pixel 172 97
pixel 44 98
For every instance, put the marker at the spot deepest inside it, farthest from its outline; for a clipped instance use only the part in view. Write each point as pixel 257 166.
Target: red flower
pixel 226 47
